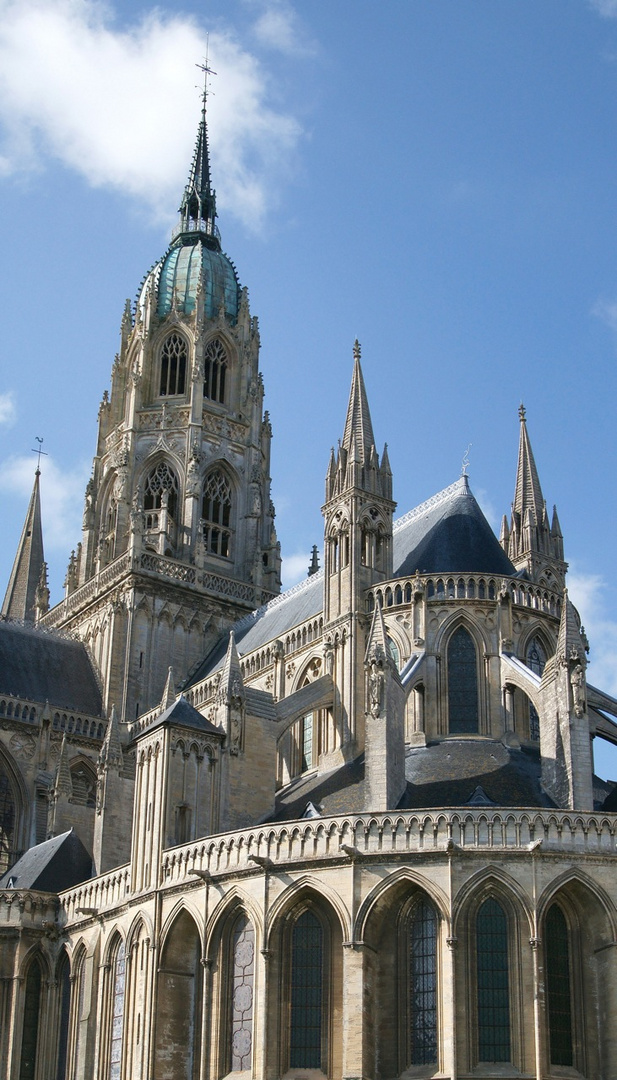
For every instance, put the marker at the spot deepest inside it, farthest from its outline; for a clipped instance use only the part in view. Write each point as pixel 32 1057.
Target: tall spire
pixel 198 206
pixel 527 493
pixel 20 598
pixel 358 435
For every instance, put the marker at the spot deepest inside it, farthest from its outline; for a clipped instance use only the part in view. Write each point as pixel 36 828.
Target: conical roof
pixel 448 534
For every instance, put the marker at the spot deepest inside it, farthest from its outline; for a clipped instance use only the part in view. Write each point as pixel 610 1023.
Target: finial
pixel 314 563
pixel 40 452
pixel 207 70
pixel 465 463
pixel 521 412
pixel 356 350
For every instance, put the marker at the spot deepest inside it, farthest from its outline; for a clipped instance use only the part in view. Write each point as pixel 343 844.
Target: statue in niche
pixel 577 682
pixel 376 686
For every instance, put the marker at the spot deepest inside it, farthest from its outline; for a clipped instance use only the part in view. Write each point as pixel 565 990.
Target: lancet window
pixel 215 371
pixel 306 1033
pixel 160 493
pixel 493 983
pixel 558 987
pixel 216 514
pixel 462 683
pixel 7 823
pixel 536 660
pixel 32 1010
pixel 422 984
pixel 173 366
pixel 242 979
pixel 117 1023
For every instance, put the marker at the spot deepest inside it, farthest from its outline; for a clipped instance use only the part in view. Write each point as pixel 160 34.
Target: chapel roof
pixel 56 864
pixel 44 666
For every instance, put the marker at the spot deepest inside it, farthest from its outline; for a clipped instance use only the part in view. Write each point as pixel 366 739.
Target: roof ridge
pixel 252 617
pixel 439 497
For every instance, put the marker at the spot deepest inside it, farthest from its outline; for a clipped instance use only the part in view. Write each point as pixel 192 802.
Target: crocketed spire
pixel 358 438
pixel 21 593
pixel 527 492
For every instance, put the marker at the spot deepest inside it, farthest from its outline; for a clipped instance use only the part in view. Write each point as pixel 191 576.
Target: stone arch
pixel 233 901
pixel 582 891
pixel 183 906
pixel 452 622
pixel 389 891
pixel 491 879
pixel 305 886
pixel 234 935
pixel 177 1035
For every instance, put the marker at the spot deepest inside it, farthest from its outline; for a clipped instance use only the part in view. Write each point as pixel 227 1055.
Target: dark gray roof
pixel 448 534
pixel 266 624
pixel 182 713
pixel 455 772
pixel 42 666
pixel 56 864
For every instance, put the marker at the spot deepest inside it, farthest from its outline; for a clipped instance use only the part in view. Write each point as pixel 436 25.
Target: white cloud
pixel 607 8
pixel 295 568
pixel 278 28
pixel 61 497
pixel 8 412
pixel 588 594
pixel 106 100
pixel 606 310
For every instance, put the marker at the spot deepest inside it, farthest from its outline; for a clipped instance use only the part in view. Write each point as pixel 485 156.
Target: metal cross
pixel 207 70
pixel 39 452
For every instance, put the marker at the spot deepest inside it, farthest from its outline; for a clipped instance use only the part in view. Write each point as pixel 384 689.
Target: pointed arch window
pixel 173 366
pixel 422 984
pixel 536 660
pixel 7 823
pixel 558 984
pixel 117 1015
pixel 84 785
pixel 215 371
pixel 493 982
pixel 160 494
pixel 216 514
pixel 462 683
pixel 64 986
pixel 32 1011
pixel 242 980
pixel 307 997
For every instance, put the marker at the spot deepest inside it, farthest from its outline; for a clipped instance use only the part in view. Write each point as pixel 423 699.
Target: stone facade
pixel 347 831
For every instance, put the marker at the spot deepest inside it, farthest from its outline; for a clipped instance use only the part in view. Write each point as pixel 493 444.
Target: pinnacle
pixel 20 598
pixel 527 493
pixel 358 438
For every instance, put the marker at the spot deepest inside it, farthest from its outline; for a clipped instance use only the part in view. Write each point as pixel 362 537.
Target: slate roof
pixel 41 666
pixel 181 712
pixel 447 534
pixel 447 774
pixel 54 865
pixel 266 624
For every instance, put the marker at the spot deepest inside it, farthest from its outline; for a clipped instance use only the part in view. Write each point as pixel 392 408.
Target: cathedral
pixel 347 831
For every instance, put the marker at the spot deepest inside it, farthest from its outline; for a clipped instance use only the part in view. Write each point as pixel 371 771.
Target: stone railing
pixel 380 836
pixel 402 591
pixel 93 896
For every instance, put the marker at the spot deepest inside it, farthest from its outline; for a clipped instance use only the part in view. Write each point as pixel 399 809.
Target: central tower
pixel 178 529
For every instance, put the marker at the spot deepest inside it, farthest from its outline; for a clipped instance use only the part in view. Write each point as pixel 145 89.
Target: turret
pixel 358 547
pixel 531 542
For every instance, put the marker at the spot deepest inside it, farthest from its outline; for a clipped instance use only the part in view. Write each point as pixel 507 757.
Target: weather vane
pixel 465 464
pixel 207 70
pixel 39 451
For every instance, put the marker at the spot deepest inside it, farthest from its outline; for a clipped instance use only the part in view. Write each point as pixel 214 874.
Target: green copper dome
pixel 178 279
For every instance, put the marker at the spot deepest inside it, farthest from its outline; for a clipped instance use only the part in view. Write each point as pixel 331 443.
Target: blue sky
pixel 434 178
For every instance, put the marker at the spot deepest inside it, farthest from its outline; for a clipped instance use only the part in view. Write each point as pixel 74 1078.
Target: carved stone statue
pixel 577 682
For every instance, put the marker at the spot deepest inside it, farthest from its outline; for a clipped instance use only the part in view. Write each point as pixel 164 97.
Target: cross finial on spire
pixel 356 350
pixel 521 412
pixel 207 70
pixel 40 453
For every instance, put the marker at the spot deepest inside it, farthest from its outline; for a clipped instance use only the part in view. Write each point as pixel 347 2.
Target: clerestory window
pixel 536 660
pixel 462 683
pixel 215 371
pixel 173 366
pixel 216 514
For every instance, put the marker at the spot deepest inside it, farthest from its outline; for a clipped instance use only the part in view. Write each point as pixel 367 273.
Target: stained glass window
pixel 536 660
pixel 422 960
pixel 493 983
pixel 558 988
pixel 307 742
pixel 64 983
pixel 117 1021
pixel 242 995
pixel 215 370
pixel 32 1008
pixel 173 366
pixel 305 1039
pixel 462 683
pixel 7 823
